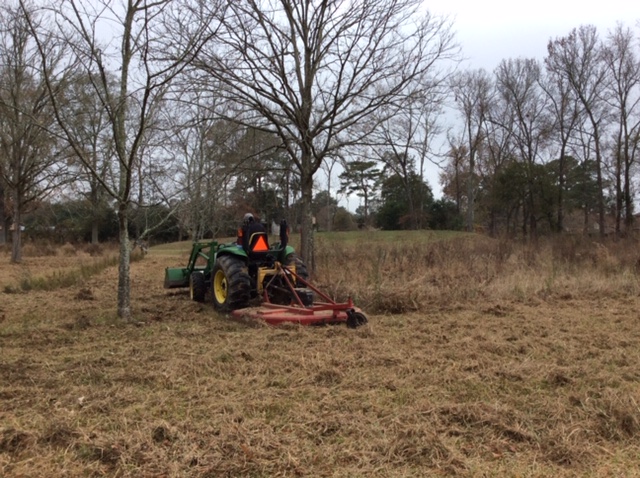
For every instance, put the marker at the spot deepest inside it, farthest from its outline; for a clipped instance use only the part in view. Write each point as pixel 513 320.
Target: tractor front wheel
pixel 197 286
pixel 231 283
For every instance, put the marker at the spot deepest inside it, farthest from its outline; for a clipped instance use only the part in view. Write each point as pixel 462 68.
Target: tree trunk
pixel 124 289
pixel 470 195
pixel 16 244
pixel 492 224
pixel 601 215
pixel 4 220
pixel 306 232
pixel 618 183
pixel 95 221
pixel 599 180
pixel 533 228
pixel 628 198
pixel 329 207
pixel 561 186
pixel 366 208
pixel 585 224
pixel 533 222
pixel 413 214
pixel 94 232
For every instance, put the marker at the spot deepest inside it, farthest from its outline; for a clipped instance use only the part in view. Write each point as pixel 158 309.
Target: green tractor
pixel 236 275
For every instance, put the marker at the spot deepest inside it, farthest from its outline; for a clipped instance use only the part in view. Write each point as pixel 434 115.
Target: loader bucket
pixel 176 277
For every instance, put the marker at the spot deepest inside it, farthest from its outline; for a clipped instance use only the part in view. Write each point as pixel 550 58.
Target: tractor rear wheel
pixel 197 286
pixel 231 283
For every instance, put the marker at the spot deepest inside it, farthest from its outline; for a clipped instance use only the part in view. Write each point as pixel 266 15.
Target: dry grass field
pixel 482 358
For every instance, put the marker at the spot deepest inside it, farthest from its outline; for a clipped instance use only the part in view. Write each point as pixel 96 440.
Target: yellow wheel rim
pixel 220 287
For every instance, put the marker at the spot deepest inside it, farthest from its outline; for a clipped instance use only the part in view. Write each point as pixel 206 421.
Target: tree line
pixel 172 116
pixel 550 145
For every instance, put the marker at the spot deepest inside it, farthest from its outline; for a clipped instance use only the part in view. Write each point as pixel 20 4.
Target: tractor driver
pixel 249 227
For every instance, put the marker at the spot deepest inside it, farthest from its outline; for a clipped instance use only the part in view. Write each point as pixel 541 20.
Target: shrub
pixel 68 250
pixel 94 250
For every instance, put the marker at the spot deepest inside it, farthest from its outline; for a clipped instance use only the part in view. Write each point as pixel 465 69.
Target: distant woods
pixel 552 145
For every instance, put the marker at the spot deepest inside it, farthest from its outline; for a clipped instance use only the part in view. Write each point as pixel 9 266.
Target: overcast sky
pixel 489 31
pixel 492 30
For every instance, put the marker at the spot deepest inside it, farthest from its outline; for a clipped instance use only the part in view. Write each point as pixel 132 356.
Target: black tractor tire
pixel 197 286
pixel 301 269
pixel 230 283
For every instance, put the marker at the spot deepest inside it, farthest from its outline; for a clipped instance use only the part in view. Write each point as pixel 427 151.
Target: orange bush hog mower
pixel 271 276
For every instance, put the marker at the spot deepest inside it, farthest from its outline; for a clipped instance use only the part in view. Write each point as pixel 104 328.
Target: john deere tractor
pixel 237 274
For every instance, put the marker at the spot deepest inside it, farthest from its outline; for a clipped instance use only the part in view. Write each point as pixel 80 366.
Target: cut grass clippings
pixel 499 371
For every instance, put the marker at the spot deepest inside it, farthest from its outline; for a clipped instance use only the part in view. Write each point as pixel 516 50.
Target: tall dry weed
pixel 68 250
pixel 41 249
pixel 94 250
pixel 415 275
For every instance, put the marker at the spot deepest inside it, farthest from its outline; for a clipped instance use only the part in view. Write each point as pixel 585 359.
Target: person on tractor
pixel 249 227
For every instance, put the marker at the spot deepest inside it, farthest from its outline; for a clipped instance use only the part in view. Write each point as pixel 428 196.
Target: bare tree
pixel 403 137
pixel 453 174
pixel 472 92
pixel 578 57
pixel 565 110
pixel 518 86
pixel 89 123
pixel 259 170
pixel 28 156
pixel 135 42
pixel 310 71
pixel 198 145
pixel 494 156
pixel 623 63
pixel 4 214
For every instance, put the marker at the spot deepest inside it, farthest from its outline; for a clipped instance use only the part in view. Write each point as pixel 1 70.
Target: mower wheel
pixel 231 283
pixel 197 286
pixel 356 319
pixel 301 268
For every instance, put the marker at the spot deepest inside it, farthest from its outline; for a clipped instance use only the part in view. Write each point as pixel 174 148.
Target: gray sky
pixel 489 31
pixel 492 30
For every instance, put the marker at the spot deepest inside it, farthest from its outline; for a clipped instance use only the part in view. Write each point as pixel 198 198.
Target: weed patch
pixel 412 274
pixel 70 277
pixel 63 279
